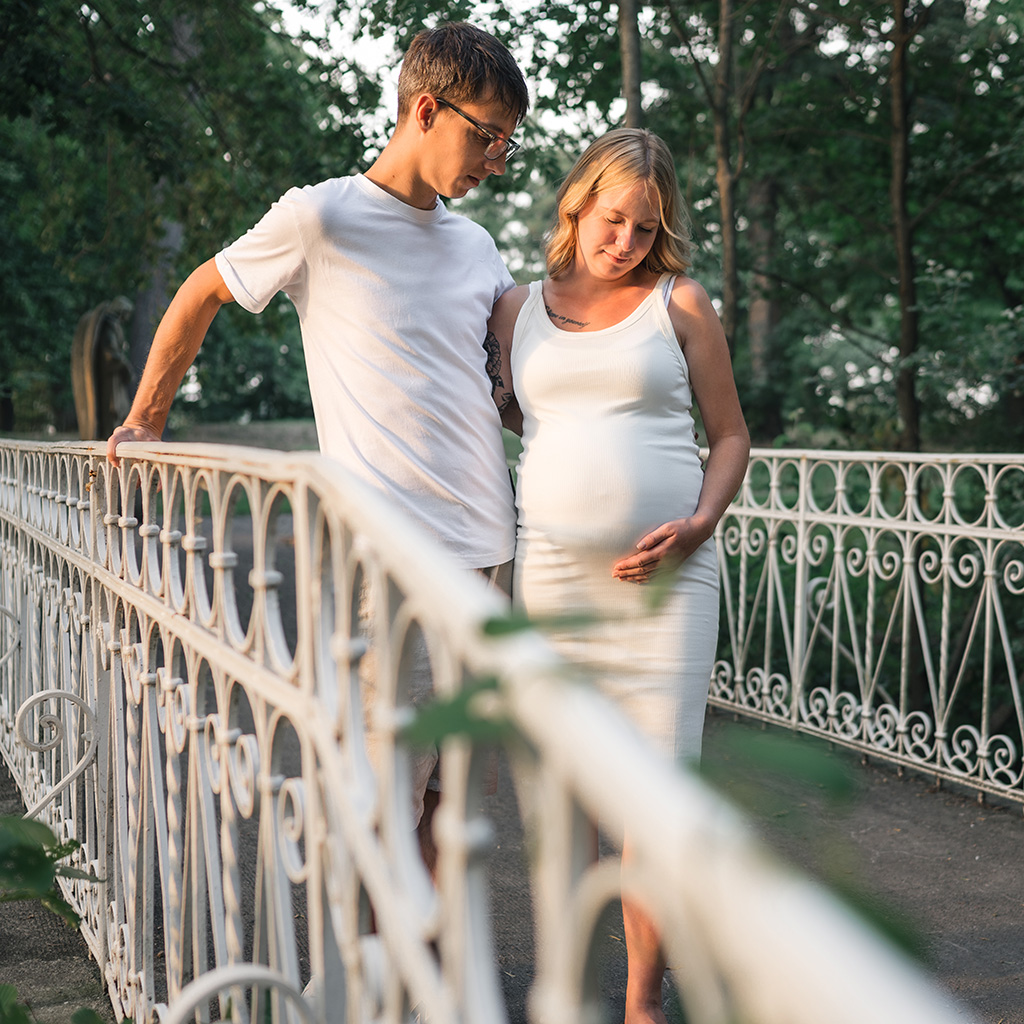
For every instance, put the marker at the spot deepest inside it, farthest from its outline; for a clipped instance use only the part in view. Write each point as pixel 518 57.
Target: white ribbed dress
pixel 608 454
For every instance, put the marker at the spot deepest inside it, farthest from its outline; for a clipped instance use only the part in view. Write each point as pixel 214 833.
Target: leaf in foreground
pixel 458 716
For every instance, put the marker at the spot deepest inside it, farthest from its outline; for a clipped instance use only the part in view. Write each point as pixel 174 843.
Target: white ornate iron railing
pixel 171 701
pixel 878 601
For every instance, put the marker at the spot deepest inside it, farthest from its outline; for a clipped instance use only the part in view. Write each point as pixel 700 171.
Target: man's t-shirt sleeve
pixel 269 257
pixel 505 281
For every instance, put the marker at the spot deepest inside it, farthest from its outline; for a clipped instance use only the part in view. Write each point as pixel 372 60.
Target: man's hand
pixel 128 432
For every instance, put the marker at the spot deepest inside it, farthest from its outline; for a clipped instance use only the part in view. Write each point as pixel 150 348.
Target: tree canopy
pixel 137 134
pixel 853 170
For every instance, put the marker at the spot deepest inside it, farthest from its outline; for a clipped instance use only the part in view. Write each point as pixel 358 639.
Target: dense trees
pixel 135 139
pixel 853 167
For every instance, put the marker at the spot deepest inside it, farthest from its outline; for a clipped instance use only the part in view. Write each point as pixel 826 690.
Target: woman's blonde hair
pixel 623 158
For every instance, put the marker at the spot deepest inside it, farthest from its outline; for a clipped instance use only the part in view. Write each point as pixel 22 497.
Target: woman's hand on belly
pixel 664 548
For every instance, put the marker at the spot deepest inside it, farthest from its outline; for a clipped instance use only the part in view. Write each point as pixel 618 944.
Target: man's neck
pixel 392 172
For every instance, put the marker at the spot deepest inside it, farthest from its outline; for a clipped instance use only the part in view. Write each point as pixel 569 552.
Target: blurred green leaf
pixel 776 777
pixel 658 589
pixel 890 922
pixel 518 621
pixel 458 716
pixel 514 622
pixel 68 872
pixel 29 863
pixel 16 831
pixel 11 1011
pixel 83 1015
pixel 26 865
pixel 750 759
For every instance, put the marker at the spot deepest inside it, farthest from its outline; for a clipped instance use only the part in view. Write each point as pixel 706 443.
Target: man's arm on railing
pixel 175 344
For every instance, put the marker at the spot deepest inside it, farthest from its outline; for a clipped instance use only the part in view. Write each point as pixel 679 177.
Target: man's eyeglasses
pixel 496 146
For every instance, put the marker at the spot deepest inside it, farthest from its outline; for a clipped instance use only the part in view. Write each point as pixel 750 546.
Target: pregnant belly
pixel 604 489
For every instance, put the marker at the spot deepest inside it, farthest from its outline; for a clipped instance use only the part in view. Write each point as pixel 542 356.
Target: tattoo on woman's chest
pixel 565 319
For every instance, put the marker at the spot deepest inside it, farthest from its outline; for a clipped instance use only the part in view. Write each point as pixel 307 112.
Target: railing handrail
pixel 169 681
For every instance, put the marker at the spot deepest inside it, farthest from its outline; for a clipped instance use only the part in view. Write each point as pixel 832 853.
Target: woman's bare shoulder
pixel 688 293
pixel 693 314
pixel 507 308
pixel 513 298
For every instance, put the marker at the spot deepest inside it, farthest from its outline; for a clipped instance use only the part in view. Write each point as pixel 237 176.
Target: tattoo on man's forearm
pixel 493 350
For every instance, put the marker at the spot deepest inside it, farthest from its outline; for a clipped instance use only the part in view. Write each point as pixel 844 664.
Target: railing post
pixel 799 656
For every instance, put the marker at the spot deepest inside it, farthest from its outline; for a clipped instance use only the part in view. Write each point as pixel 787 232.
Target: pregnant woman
pixel 603 360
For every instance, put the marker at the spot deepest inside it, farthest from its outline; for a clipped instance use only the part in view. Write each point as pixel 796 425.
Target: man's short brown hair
pixel 462 64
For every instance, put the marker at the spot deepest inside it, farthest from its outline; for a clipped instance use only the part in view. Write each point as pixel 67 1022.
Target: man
pixel 393 294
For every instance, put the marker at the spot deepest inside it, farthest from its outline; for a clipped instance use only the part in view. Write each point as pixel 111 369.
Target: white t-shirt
pixel 393 304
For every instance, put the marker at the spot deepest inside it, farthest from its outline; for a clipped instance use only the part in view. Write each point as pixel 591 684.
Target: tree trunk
pixel 762 314
pixel 724 174
pixel 152 301
pixel 629 48
pixel 906 390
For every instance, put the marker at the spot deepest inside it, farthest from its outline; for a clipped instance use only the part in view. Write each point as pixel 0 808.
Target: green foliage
pixel 137 125
pixel 13 1012
pixel 83 1015
pixel 460 715
pixel 517 621
pixel 121 119
pixel 982 365
pixel 778 779
pixel 836 267
pixel 29 863
pixel 30 858
pixel 242 375
pixel 748 761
